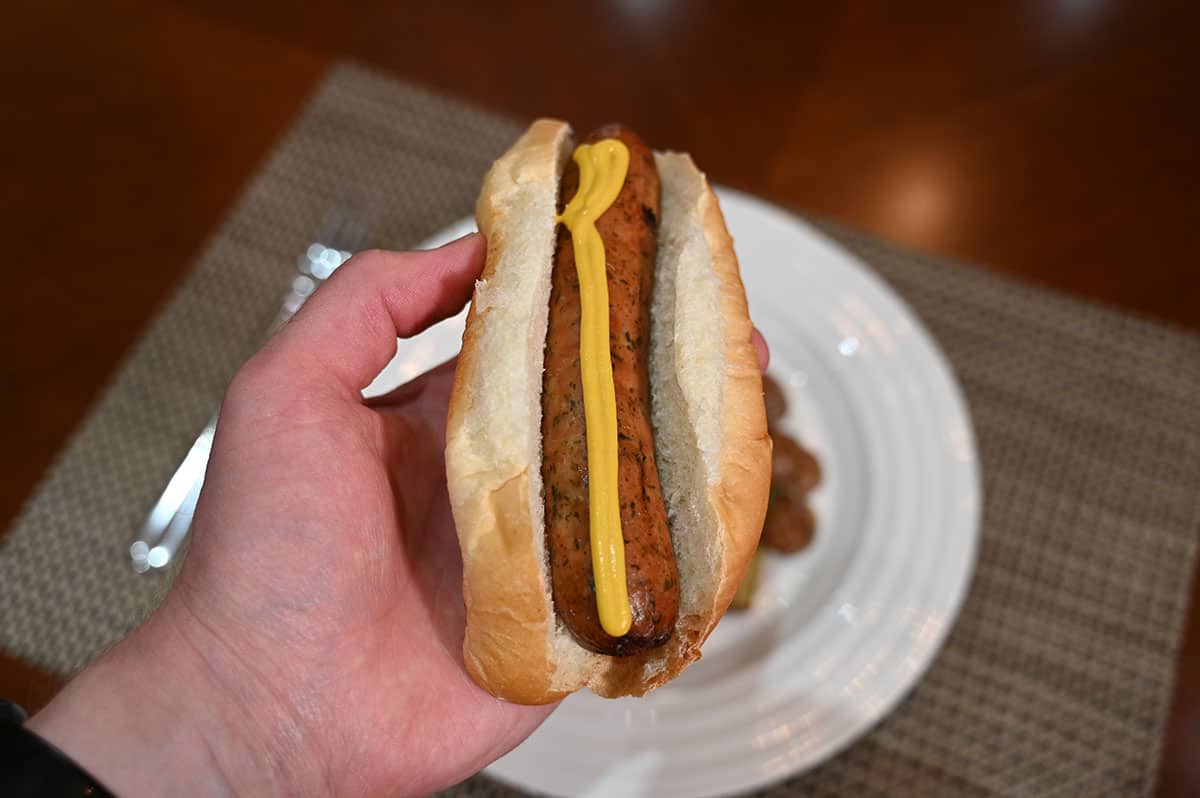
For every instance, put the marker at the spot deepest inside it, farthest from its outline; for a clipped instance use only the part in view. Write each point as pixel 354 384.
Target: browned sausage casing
pixel 629 229
pixel 774 399
pixel 790 523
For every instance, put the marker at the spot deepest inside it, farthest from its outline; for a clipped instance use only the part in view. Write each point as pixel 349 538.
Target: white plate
pixel 839 633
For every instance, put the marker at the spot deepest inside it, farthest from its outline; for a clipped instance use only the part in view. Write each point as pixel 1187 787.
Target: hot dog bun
pixel 714 453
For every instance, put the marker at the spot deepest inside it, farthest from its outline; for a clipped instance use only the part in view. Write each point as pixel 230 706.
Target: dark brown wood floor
pixel 1052 140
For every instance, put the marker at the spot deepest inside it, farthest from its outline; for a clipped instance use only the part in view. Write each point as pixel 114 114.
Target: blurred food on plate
pixel 795 472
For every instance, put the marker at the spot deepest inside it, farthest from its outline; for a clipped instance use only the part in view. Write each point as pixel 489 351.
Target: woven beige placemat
pixel 1057 677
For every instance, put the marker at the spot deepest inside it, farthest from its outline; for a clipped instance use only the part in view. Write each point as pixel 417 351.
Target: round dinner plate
pixel 839 633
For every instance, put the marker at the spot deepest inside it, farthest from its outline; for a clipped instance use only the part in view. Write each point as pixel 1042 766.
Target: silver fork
pixel 167 525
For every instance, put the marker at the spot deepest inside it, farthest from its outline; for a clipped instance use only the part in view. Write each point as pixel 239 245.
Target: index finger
pixel 344 336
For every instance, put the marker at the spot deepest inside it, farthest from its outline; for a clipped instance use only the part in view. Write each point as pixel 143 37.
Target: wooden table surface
pixel 1056 141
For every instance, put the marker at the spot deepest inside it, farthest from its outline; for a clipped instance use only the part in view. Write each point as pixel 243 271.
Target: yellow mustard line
pixel 602 170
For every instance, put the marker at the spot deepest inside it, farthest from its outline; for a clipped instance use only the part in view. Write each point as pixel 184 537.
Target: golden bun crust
pixel 711 430
pixel 740 498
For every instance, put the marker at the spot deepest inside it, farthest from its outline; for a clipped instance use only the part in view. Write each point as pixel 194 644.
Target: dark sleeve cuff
pixel 32 768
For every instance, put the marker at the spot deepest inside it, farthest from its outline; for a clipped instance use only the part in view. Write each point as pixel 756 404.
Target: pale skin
pixel 311 644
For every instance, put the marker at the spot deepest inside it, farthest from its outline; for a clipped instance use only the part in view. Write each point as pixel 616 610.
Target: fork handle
pixel 169 521
pixel 183 484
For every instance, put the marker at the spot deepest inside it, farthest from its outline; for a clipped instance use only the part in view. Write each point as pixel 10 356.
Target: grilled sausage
pixel 629 229
pixel 774 399
pixel 790 523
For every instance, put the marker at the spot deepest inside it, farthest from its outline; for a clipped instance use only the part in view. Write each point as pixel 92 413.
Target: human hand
pixel 312 642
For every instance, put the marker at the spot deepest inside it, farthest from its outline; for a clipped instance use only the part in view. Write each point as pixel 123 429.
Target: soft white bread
pixel 712 447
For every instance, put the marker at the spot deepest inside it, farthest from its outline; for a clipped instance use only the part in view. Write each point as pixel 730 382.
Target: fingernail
pixel 461 239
